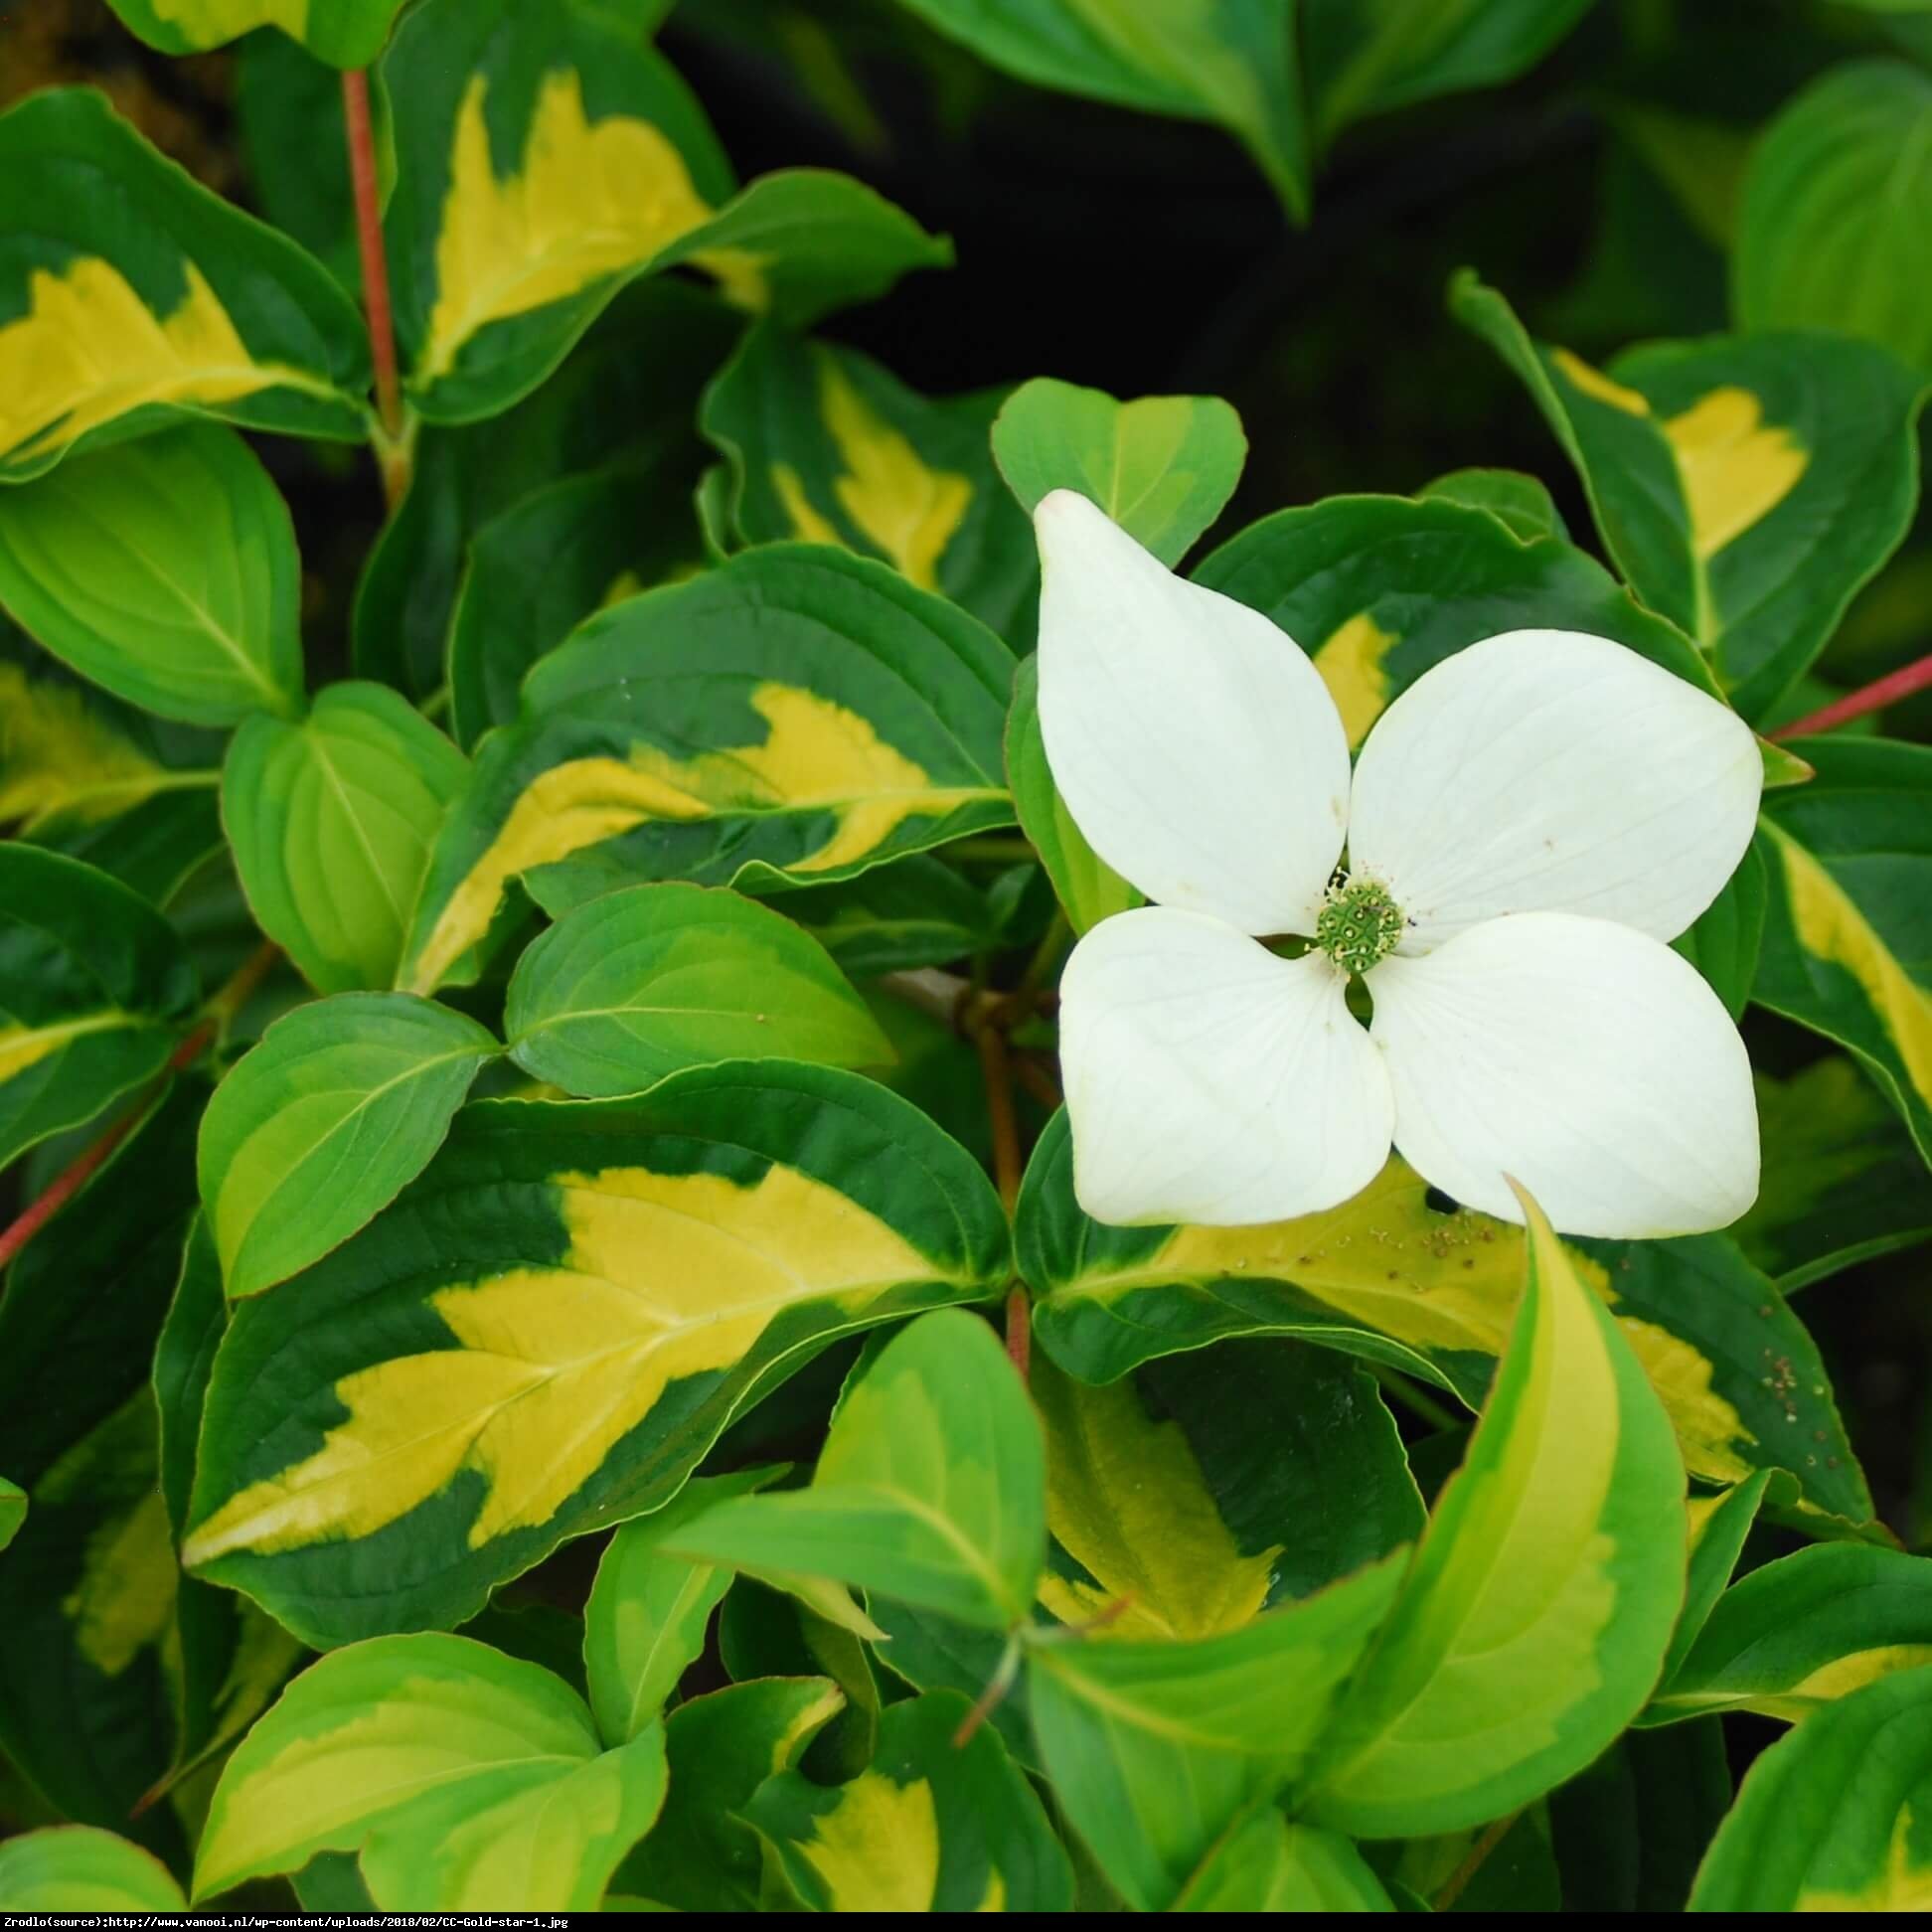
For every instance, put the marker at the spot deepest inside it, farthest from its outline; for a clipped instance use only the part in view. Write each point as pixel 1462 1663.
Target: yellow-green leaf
pixel 1536 1618
pixel 1155 1748
pixel 554 1323
pixel 164 570
pixel 332 820
pixel 469 1781
pixel 835 718
pixel 128 292
pixel 345 33
pixel 827 446
pixel 81 1868
pixel 1746 486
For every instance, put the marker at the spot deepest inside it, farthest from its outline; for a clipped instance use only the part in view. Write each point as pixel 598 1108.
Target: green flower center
pixel 1359 924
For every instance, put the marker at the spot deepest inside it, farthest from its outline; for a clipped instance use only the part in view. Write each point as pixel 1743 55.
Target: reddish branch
pixel 374 280
pixel 1881 692
pixel 79 1172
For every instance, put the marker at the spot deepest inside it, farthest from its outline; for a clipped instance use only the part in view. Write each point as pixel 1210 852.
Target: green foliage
pixel 534 954
pixel 1837 193
pixel 322 1125
pixel 167 573
pixel 632 986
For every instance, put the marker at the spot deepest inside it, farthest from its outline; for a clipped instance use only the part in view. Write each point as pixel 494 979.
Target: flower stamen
pixel 1358 924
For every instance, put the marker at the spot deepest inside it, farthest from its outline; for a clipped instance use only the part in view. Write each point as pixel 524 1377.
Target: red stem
pixel 83 1168
pixel 1883 691
pixel 375 263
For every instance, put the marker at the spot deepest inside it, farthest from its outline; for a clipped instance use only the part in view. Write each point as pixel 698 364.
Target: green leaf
pixel 468 1780
pixel 649 1612
pixel 931 1488
pixel 293 139
pixel 1329 576
pixel 1161 1491
pixel 166 571
pixel 929 1826
pixel 544 566
pixel 544 156
pixel 1746 486
pixel 1718 1528
pixel 86 776
pixel 1630 1832
pixel 1536 1617
pixel 554 1322
pixel 320 1127
pixel 1154 1749
pixel 1371 57
pixel 13 1511
pixel 345 33
pixel 80 1869
pixel 332 820
pixel 1800 1632
pixel 644 981
pixel 1088 889
pixel 129 292
pixel 1234 64
pixel 89 1584
pixel 1836 200
pixel 1267 1864
pixel 232 1658
pixel 1162 468
pixel 1842 1179
pixel 1847 948
pixel 1724 941
pixel 825 445
pixel 1391 1278
pixel 917 912
pixel 934 1653
pixel 766 1631
pixel 835 718
pixel 1838 1816
pixel 1521 504
pixel 701 1855
pixel 94 987
pixel 622 396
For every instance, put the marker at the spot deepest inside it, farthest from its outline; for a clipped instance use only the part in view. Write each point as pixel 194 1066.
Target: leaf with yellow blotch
pixel 96 987
pixel 94 779
pixel 929 1826
pixel 833 718
pixel 1836 1817
pixel 1322 573
pixel 345 33
pixel 1746 486
pixel 550 1327
pixel 545 157
pixel 1849 864
pixel 1535 1619
pixel 468 1780
pixel 128 292
pixel 1431 1291
pixel 1161 1493
pixel 825 445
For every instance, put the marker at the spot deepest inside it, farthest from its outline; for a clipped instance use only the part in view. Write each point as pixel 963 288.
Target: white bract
pixel 1526 827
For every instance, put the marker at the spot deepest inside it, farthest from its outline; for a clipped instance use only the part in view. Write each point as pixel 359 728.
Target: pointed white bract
pixel 1208 1080
pixel 1552 771
pixel 1193 744
pixel 1545 808
pixel 1585 1058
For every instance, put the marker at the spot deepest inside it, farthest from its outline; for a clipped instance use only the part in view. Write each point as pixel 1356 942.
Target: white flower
pixel 1526 826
